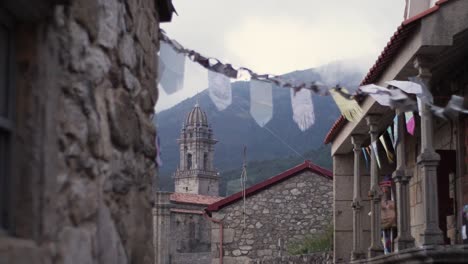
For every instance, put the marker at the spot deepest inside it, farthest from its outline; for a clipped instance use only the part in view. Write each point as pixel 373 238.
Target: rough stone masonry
pixel 275 218
pixel 84 145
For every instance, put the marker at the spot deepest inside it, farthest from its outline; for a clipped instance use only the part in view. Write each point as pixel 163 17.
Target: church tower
pixel 196 173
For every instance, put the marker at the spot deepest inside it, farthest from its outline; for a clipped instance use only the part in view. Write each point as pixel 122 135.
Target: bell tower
pixel 196 173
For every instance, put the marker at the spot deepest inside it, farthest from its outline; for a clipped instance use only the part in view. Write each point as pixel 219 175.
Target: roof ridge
pixel 306 165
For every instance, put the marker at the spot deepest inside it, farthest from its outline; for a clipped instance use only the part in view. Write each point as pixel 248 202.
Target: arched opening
pixel 205 161
pixel 189 161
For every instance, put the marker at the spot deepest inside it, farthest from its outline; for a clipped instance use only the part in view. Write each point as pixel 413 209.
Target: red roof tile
pixel 190 198
pixel 393 46
pixel 307 165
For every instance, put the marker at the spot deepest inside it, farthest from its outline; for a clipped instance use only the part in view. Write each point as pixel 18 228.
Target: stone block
pixel 343 216
pixel 21 251
pixel 343 164
pixel 228 235
pixel 127 53
pixel 123 120
pixel 75 246
pixel 86 12
pixel 343 246
pixel 108 28
pixel 343 188
pixel 236 260
pixel 264 253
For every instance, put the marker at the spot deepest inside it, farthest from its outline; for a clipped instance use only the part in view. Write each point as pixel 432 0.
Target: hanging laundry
pixel 219 89
pixel 303 109
pixel 365 157
pixel 390 157
pixel 410 122
pixel 171 69
pixel 350 109
pixel 369 153
pixel 261 102
pixel 376 153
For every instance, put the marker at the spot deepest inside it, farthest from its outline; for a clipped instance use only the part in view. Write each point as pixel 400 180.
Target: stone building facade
pixel 79 78
pixel 429 174
pixel 182 230
pixel 277 212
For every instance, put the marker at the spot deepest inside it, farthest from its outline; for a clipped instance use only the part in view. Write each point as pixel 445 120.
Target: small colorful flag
pixel 349 108
pixel 376 153
pixel 387 151
pixel 365 157
pixel 410 123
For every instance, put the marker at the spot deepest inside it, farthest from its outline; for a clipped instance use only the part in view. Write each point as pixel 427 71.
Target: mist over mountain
pixel 234 127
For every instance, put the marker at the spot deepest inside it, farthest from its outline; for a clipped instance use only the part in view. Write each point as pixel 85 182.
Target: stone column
pixel 358 252
pixel 401 177
pixel 375 193
pixel 428 161
pixel 162 225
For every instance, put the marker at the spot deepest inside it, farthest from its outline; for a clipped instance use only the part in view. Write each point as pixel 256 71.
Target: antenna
pixel 244 182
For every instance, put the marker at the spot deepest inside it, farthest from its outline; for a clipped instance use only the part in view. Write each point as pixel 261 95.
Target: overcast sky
pixel 272 36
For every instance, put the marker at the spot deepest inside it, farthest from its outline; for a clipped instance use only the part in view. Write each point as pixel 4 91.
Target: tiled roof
pixel 191 198
pixel 390 51
pixel 307 165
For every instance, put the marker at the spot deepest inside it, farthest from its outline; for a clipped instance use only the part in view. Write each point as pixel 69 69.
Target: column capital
pixel 423 65
pixel 372 122
pixel 403 176
pixel 428 157
pixel 357 140
pixel 356 204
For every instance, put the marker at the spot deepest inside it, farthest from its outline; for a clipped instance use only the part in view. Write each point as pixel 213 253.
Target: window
pixel 205 161
pixel 189 161
pixel 6 116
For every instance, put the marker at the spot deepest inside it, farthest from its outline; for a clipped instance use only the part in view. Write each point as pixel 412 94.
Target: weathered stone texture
pixel 84 148
pixel 274 218
pixel 317 258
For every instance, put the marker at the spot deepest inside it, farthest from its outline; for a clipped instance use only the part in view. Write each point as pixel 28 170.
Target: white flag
pixel 261 102
pixel 303 109
pixel 219 90
pixel 171 69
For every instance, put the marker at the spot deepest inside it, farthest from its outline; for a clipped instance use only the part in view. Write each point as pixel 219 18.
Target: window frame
pixel 7 128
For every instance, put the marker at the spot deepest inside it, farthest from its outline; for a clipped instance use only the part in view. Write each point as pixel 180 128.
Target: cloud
pixel 280 45
pixel 274 36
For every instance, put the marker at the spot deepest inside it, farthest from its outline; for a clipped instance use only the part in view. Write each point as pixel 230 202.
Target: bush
pixel 321 242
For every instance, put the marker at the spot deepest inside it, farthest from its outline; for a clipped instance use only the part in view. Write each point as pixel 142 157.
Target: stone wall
pixel 190 237
pixel 84 145
pixel 316 258
pixel 275 217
